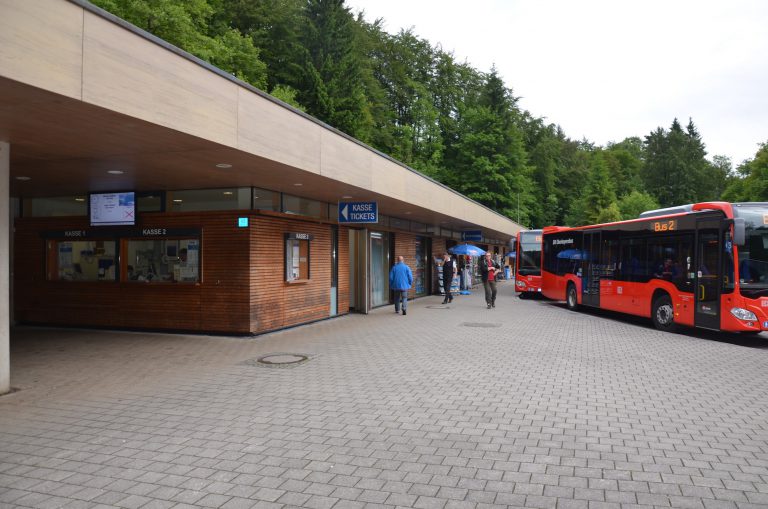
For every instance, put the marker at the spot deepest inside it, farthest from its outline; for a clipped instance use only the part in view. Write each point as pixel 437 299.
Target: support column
pixel 5 268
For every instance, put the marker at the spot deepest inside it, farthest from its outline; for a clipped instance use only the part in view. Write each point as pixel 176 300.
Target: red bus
pixel 528 262
pixel 701 265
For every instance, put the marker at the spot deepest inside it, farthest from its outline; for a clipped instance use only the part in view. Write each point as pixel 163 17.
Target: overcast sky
pixel 605 70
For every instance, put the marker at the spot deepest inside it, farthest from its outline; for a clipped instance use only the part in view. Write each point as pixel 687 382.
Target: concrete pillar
pixel 5 267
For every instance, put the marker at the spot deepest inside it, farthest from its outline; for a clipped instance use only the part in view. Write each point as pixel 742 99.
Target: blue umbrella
pixel 573 254
pixel 466 249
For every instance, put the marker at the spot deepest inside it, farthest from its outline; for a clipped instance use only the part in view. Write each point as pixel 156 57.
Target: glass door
pixel 421 270
pixel 707 311
pixel 379 268
pixel 590 284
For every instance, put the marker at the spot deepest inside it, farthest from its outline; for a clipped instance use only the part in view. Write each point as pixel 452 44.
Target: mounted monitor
pixel 109 209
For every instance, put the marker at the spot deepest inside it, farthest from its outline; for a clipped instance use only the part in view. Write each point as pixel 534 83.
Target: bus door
pixel 707 270
pixel 590 282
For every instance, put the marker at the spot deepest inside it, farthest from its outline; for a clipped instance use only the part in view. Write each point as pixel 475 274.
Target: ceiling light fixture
pixel 223 165
pixel 346 197
pixel 298 184
pixel 23 178
pixel 178 200
pixel 115 172
pixel 228 193
pixel 79 199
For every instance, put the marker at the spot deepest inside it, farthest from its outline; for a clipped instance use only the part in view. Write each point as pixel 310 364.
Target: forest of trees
pixel 461 126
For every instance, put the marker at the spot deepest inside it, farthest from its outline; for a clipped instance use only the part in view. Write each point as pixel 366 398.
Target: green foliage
pixel 632 204
pixel 287 95
pixel 188 25
pixel 413 101
pixel 751 183
pixel 676 170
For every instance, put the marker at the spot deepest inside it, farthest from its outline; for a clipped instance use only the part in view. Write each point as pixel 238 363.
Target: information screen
pixel 113 208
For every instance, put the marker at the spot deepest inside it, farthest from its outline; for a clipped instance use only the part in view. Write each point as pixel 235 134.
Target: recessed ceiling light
pixel 22 177
pixel 228 193
pixel 79 199
pixel 223 165
pixel 115 172
pixel 298 184
pixel 178 200
pixel 408 213
pixel 346 197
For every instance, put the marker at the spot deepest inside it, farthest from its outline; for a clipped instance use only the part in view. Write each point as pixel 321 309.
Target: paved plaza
pixel 524 405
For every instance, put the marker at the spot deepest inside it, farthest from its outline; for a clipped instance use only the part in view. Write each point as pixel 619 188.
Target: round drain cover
pixel 282 358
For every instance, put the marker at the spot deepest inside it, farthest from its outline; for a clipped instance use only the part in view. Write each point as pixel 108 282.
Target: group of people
pixel 401 279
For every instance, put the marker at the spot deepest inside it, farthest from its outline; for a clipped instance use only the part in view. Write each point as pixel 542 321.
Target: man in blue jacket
pixel 400 280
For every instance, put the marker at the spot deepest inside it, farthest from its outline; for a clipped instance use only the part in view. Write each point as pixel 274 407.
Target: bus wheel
pixel 571 298
pixel 663 314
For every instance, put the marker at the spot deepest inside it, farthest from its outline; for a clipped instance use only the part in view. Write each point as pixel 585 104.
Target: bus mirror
pixel 739 231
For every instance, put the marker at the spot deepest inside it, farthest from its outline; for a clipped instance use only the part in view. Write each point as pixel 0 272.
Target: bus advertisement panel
pixel 701 265
pixel 528 262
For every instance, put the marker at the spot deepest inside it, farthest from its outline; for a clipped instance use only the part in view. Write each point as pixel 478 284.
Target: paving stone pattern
pixel 549 409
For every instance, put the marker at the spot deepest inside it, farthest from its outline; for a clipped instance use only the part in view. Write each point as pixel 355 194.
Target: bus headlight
pixel 520 284
pixel 743 314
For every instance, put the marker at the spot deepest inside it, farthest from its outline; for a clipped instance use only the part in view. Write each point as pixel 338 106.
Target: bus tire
pixel 571 297
pixel 663 314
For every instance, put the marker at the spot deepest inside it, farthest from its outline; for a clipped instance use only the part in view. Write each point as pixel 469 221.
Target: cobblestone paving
pixel 524 405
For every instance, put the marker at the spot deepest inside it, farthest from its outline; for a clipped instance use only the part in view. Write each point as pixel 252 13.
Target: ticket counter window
pixel 296 260
pixel 162 260
pixel 82 260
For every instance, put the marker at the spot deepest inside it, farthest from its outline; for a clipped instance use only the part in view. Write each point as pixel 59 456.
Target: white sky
pixel 605 70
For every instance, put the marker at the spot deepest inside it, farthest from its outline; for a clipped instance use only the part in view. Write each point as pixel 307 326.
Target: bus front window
pixel 530 249
pixel 753 255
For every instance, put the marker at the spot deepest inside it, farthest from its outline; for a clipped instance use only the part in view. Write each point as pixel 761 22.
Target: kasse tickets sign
pixel 358 212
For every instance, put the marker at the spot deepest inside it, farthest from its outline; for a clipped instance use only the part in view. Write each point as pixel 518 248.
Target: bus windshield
pixel 530 253
pixel 753 255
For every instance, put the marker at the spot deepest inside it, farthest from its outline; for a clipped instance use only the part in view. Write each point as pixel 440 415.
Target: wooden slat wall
pixel 343 270
pixel 242 288
pixel 276 303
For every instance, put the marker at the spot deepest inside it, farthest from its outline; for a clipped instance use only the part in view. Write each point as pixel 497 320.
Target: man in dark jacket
pixel 488 271
pixel 400 281
pixel 449 271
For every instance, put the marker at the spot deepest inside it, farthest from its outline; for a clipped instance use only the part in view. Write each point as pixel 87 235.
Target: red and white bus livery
pixel 528 262
pixel 701 265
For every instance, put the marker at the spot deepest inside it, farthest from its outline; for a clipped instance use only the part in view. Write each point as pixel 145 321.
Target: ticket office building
pixel 231 261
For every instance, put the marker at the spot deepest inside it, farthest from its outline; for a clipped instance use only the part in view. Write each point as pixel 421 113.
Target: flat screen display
pixel 113 208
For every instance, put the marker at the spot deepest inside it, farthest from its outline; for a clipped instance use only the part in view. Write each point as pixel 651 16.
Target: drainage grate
pixel 480 324
pixel 278 360
pixel 444 306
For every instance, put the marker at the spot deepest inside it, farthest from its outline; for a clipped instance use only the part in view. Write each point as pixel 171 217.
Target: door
pixel 707 269
pixel 590 283
pixel 358 270
pixel 334 310
pixel 379 268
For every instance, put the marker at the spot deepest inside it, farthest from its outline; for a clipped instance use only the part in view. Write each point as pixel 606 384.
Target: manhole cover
pixel 480 324
pixel 278 360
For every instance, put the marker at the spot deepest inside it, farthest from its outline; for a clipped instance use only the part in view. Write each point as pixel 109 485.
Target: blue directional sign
pixel 358 212
pixel 472 235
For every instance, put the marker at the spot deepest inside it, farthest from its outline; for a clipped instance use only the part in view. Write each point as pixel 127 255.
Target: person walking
pixel 400 281
pixel 449 271
pixel 488 271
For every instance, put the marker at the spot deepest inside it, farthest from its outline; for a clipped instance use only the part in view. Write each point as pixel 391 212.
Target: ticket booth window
pixel 297 257
pixel 162 260
pixel 82 260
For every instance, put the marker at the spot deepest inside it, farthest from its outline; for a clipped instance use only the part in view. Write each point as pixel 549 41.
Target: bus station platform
pixel 450 407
